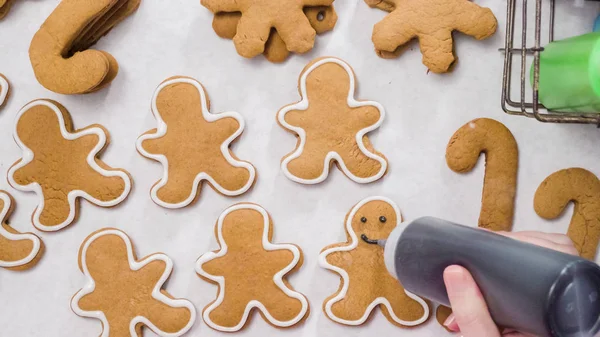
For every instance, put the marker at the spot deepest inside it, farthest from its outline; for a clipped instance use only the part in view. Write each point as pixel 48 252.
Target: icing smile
pixel 366 239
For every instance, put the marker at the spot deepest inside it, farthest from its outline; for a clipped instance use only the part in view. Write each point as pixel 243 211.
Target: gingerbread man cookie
pixel 581 187
pixel 4 90
pixel 18 251
pixel 58 51
pixel 244 232
pixel 193 144
pixel 259 17
pixel 366 282
pixel 332 126
pixel 61 165
pixel 125 293
pixel 492 138
pixel 322 19
pixel 432 23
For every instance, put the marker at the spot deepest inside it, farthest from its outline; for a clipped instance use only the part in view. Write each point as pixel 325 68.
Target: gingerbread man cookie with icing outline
pixel 4 90
pixel 244 232
pixel 181 109
pixel 327 87
pixel 18 251
pixel 365 281
pixel 61 165
pixel 125 293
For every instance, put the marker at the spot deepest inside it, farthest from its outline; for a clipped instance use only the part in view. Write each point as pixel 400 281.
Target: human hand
pixel 470 315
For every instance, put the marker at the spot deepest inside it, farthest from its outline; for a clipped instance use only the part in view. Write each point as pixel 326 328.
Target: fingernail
pixel 449 321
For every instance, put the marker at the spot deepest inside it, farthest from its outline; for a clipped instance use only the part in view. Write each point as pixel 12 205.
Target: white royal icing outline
pixel 27 157
pixel 277 278
pixel 4 88
pixel 346 278
pixel 210 117
pixel 37 243
pixel 134 265
pixel 332 155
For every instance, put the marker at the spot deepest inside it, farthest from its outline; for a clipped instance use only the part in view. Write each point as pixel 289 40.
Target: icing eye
pixel 363 219
pixel 382 219
pixel 321 16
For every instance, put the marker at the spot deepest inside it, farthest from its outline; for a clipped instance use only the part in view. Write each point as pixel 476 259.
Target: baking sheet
pixel 166 38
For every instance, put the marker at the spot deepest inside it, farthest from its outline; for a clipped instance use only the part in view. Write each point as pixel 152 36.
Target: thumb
pixel 468 304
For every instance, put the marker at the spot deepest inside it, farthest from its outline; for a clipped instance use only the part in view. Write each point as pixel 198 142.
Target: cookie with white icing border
pixel 18 251
pixel 4 90
pixel 61 165
pixel 125 293
pixel 250 272
pixel 331 126
pixel 365 281
pixel 193 145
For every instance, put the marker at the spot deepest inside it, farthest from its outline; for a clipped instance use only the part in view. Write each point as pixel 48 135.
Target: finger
pixel 468 304
pixel 451 324
pixel 567 249
pixel 560 239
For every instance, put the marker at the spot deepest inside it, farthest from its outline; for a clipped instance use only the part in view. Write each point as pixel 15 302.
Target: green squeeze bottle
pixel 570 74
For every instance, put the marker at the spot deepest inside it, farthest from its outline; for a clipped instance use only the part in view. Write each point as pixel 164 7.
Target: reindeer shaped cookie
pixel 250 272
pixel 125 293
pixel 61 165
pixel 366 282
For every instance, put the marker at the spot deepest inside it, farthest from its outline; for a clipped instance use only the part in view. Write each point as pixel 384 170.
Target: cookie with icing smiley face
pixel 365 282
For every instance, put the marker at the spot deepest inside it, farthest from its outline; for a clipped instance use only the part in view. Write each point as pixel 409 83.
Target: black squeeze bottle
pixel 527 288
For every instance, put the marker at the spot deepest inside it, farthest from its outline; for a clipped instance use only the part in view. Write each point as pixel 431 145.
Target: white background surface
pixel 166 38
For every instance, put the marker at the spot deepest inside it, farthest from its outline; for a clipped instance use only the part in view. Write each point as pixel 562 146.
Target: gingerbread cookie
pixel 192 144
pixel 258 17
pixel 4 90
pixel 365 280
pixel 61 165
pixel 18 251
pixel 322 19
pixel 58 51
pixel 5 7
pixel 251 272
pixel 327 88
pixel 432 23
pixel 583 189
pixel 125 293
pixel 491 137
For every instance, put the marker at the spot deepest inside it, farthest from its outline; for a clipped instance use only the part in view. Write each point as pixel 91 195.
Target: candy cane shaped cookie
pixel 57 62
pixel 17 251
pixel 500 182
pixel 583 189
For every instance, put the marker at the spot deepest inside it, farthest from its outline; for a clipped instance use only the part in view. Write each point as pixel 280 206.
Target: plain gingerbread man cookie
pixel 365 281
pixel 125 293
pixel 61 165
pixel 322 19
pixel 332 127
pixel 192 144
pixel 18 251
pixel 250 272
pixel 432 23
pixel 259 17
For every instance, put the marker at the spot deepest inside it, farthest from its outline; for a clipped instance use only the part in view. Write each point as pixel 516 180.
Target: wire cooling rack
pixel 516 61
